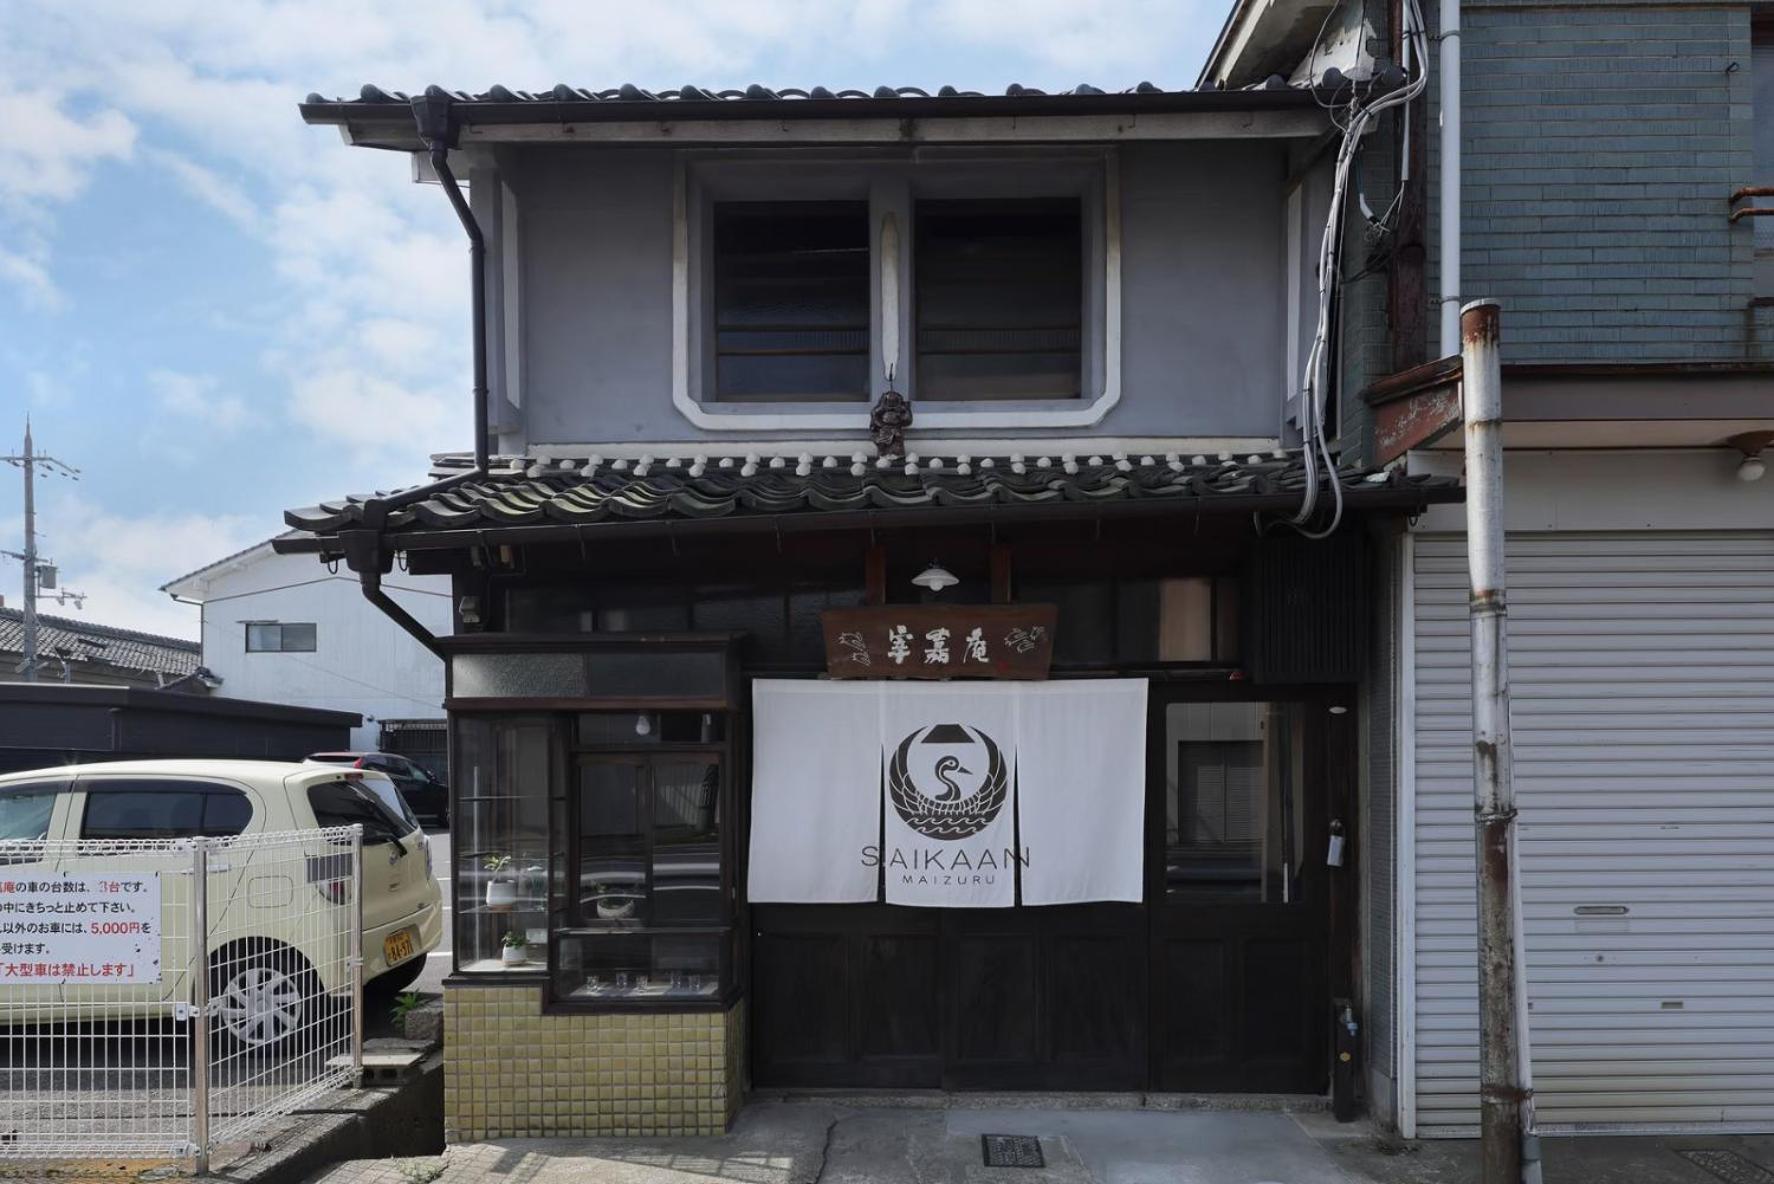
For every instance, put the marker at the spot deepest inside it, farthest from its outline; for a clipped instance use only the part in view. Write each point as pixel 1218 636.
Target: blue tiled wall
pixel 1602 141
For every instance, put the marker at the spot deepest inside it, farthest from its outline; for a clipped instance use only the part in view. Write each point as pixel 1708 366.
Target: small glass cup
pixel 622 980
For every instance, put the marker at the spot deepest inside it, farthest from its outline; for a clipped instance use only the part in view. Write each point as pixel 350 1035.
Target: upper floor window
pixel 791 301
pixel 984 287
pixel 999 305
pixel 271 637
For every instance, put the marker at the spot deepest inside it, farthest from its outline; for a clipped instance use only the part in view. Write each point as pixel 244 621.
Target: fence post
pixel 356 954
pixel 200 1003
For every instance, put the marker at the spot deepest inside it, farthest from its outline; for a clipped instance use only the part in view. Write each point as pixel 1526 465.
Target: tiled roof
pixel 628 92
pixel 569 104
pixel 522 492
pixel 78 641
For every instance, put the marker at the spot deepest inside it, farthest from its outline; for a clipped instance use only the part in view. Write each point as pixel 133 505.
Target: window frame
pixel 892 181
pixel 282 647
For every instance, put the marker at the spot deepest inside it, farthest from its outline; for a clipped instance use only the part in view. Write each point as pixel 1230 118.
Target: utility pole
pixel 29 461
pixel 1508 1151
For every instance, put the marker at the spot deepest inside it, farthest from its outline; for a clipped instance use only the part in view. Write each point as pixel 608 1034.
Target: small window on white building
pixel 273 637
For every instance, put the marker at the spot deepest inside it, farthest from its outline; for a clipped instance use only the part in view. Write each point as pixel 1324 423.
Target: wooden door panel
pixel 996 1007
pixel 1096 1009
pixel 801 999
pixel 1193 987
pixel 899 996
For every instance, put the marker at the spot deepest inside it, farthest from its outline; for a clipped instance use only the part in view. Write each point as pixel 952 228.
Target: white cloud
pixel 197 397
pixel 46 153
pixel 120 560
pixel 226 197
pixel 373 417
pixel 30 273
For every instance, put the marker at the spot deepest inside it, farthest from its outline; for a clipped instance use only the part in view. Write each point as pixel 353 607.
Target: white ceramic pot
pixel 501 895
pixel 514 955
pixel 615 910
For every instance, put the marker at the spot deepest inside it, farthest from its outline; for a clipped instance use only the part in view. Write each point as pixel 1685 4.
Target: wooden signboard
pixel 940 641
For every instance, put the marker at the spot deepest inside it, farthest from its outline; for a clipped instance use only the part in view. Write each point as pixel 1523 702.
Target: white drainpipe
pixel 1450 177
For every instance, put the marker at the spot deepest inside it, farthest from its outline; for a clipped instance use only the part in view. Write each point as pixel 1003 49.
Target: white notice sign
pixel 79 927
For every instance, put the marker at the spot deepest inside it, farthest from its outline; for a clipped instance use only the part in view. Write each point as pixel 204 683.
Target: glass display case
pixel 591 839
pixel 500 841
pixel 646 913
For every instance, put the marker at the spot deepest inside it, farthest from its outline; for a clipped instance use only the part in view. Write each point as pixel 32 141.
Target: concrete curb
pixel 383 1122
pixel 940 1100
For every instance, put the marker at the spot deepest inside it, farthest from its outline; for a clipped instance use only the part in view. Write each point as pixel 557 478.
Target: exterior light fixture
pixel 643 724
pixel 936 577
pixel 1751 445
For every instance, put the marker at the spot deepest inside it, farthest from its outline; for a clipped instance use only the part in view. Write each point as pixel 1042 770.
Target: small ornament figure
pixel 889 419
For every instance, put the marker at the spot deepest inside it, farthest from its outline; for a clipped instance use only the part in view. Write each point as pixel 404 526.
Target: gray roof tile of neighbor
pixel 78 641
pixel 524 491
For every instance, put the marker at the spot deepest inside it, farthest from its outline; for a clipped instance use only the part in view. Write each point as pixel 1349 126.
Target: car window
pixel 344 803
pixel 332 758
pixel 163 810
pixel 386 792
pixel 226 813
pixel 25 811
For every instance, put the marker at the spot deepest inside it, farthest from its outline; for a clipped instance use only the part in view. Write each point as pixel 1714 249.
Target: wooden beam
pixel 874 578
pixel 1000 559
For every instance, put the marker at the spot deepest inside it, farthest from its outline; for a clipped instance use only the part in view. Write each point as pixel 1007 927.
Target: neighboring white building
pixel 282 629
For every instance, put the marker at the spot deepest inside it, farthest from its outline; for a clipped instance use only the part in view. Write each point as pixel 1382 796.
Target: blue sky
pixel 216 312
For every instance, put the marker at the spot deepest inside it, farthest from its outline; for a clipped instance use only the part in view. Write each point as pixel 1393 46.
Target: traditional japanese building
pixel 910 628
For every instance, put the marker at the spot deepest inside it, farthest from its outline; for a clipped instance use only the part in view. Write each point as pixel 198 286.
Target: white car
pixel 278 958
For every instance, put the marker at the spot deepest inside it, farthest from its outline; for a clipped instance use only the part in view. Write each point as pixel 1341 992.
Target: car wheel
pixel 261 1000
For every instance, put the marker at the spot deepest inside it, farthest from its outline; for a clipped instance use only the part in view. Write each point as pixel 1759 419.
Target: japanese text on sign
pixel 79 927
pixel 940 641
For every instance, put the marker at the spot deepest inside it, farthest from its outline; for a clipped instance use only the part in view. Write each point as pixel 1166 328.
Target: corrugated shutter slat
pixel 1642 679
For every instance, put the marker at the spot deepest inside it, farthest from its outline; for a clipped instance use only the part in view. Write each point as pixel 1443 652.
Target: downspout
pixel 365 553
pixel 1450 177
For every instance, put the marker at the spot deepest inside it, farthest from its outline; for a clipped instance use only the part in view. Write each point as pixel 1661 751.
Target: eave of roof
pixel 564 105
pixel 174 586
pixel 527 500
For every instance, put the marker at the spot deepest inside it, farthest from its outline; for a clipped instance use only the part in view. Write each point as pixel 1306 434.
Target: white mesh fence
pixel 108 952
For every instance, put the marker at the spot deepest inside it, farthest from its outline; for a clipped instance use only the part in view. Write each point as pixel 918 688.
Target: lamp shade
pixel 936 577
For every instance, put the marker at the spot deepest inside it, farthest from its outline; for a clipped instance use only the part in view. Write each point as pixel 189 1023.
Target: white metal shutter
pixel 1642 672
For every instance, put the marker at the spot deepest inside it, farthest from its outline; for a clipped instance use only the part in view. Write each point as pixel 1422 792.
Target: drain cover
pixel 1728 1165
pixel 1012 1151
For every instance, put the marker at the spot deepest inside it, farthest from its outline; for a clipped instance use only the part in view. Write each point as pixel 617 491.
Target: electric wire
pixel 1315 378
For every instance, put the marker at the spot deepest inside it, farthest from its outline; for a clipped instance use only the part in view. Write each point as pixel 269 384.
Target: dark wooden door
pixel 1239 893
pixel 1220 981
pixel 889 997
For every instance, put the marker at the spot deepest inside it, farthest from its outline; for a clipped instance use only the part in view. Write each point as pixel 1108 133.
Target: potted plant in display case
pixel 515 949
pixel 612 902
pixel 502 887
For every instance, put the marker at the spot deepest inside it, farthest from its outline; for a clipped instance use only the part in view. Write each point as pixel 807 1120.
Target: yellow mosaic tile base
pixel 512 1072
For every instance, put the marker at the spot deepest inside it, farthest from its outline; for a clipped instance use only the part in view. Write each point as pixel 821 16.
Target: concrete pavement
pixel 809 1142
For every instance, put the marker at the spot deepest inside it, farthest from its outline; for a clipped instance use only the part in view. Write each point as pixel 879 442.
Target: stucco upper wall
pixel 1202 331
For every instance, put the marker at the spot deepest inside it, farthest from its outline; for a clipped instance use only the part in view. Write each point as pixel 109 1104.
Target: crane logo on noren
pixel 948 782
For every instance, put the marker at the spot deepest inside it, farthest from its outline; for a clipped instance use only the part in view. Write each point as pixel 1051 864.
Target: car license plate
pixel 398 947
